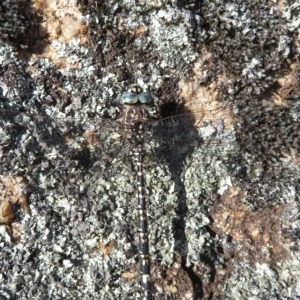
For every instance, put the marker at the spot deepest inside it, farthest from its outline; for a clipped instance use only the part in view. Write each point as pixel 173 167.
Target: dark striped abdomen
pixel 143 227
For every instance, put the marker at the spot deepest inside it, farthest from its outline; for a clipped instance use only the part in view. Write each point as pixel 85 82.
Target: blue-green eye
pixel 144 97
pixel 134 95
pixel 129 98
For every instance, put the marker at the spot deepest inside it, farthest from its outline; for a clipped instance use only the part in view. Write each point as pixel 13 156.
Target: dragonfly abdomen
pixel 143 226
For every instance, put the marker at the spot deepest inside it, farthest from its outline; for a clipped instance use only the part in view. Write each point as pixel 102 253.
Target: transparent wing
pixel 183 129
pixel 108 144
pixel 36 136
pixel 169 126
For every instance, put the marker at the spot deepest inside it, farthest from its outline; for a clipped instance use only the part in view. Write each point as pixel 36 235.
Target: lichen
pixel 81 236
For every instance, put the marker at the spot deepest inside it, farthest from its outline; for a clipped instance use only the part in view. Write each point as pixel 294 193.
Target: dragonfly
pixel 97 150
pixel 135 132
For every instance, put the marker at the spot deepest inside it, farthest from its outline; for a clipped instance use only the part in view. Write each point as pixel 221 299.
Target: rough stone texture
pixel 223 218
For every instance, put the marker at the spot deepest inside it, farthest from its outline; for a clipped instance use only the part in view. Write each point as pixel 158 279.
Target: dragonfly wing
pixel 182 130
pixel 109 144
pixel 188 120
pixel 47 137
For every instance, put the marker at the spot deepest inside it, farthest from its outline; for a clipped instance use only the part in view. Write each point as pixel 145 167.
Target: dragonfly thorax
pixel 136 115
pixel 137 121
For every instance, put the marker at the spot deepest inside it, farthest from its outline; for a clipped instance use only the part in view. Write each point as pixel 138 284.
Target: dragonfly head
pixel 135 95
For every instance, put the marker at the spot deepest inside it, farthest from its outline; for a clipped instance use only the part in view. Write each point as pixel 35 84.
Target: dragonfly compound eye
pixel 129 98
pixel 135 94
pixel 144 97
